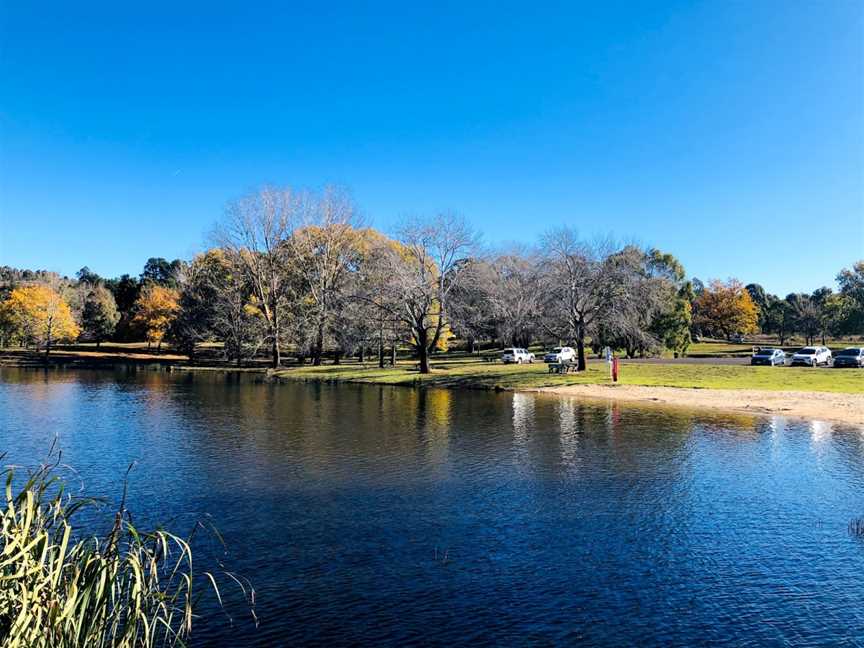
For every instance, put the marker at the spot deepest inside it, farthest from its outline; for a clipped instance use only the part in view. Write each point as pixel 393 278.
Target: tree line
pixel 301 270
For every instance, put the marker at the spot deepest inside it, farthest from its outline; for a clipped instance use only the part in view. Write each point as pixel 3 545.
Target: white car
pixel 812 356
pixel 517 356
pixel 560 354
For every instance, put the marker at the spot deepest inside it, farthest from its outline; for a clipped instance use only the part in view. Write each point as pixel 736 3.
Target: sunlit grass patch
pixel 472 373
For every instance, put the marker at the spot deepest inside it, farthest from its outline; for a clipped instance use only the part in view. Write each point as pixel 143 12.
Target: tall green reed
pixel 127 589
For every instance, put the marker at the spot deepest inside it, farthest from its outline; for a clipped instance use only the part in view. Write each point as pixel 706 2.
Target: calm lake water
pixel 392 516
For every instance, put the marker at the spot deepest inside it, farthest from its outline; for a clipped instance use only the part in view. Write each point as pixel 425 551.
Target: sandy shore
pixel 824 406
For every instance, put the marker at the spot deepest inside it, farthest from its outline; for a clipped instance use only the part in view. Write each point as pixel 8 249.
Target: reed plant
pixel 127 589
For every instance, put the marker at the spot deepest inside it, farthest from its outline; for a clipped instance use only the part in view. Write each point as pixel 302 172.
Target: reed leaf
pixel 129 589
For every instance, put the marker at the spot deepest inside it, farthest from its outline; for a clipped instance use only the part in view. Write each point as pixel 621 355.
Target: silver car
pixel 770 357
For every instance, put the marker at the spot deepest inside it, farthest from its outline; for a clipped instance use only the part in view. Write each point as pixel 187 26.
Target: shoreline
pixel 818 406
pixel 834 406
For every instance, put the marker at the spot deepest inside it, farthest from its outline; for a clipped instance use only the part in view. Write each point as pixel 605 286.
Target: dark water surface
pixel 392 516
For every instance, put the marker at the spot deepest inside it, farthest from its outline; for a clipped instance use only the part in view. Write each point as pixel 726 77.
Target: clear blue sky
pixel 728 133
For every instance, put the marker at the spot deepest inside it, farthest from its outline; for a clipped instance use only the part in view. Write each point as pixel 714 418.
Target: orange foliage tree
pixel 39 314
pixel 155 310
pixel 725 308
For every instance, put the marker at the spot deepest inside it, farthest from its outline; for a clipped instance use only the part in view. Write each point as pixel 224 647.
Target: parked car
pixel 770 357
pixel 737 338
pixel 517 356
pixel 851 357
pixel 812 356
pixel 560 354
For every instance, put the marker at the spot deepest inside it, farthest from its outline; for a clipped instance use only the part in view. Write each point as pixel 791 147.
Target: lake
pixel 395 516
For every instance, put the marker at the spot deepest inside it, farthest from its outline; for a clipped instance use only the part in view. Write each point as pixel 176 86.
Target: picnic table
pixel 562 367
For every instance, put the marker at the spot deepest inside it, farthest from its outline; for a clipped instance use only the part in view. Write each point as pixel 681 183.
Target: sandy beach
pixel 824 406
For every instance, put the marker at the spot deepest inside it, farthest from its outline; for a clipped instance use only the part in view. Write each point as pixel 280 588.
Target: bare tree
pixel 422 270
pixel 470 315
pixel 325 247
pixel 577 287
pixel 255 234
pixel 515 296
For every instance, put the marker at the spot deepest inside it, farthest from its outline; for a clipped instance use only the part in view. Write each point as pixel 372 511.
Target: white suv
pixel 517 356
pixel 812 356
pixel 560 354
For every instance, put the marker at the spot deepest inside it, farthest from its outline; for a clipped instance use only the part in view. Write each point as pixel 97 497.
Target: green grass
pixel 474 374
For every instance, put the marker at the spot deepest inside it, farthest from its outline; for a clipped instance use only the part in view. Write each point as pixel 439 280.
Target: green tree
pixel 126 291
pixel 761 299
pixel 672 326
pixel 806 315
pixel 162 272
pixel 851 282
pixel 100 315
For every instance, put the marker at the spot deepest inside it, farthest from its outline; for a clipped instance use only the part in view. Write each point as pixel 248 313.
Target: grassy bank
pixel 469 372
pixel 482 375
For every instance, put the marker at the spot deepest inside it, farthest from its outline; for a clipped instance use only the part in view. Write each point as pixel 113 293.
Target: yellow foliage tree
pixel 41 315
pixel 726 308
pixel 155 310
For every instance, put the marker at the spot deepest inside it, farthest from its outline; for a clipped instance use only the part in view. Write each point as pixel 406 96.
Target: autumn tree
pixel 155 310
pixel 255 235
pixel 325 249
pixel 100 315
pixel 41 315
pixel 374 299
pixel 725 308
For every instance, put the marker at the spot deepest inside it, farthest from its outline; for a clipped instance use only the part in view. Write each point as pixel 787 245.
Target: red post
pixel 615 369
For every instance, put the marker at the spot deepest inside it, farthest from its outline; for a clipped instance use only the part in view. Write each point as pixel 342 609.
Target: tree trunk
pixel 381 351
pixel 421 336
pixel 424 359
pixel 98 342
pixel 471 344
pixel 362 353
pixel 276 356
pixel 318 350
pixel 337 357
pixel 393 355
pixel 580 348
